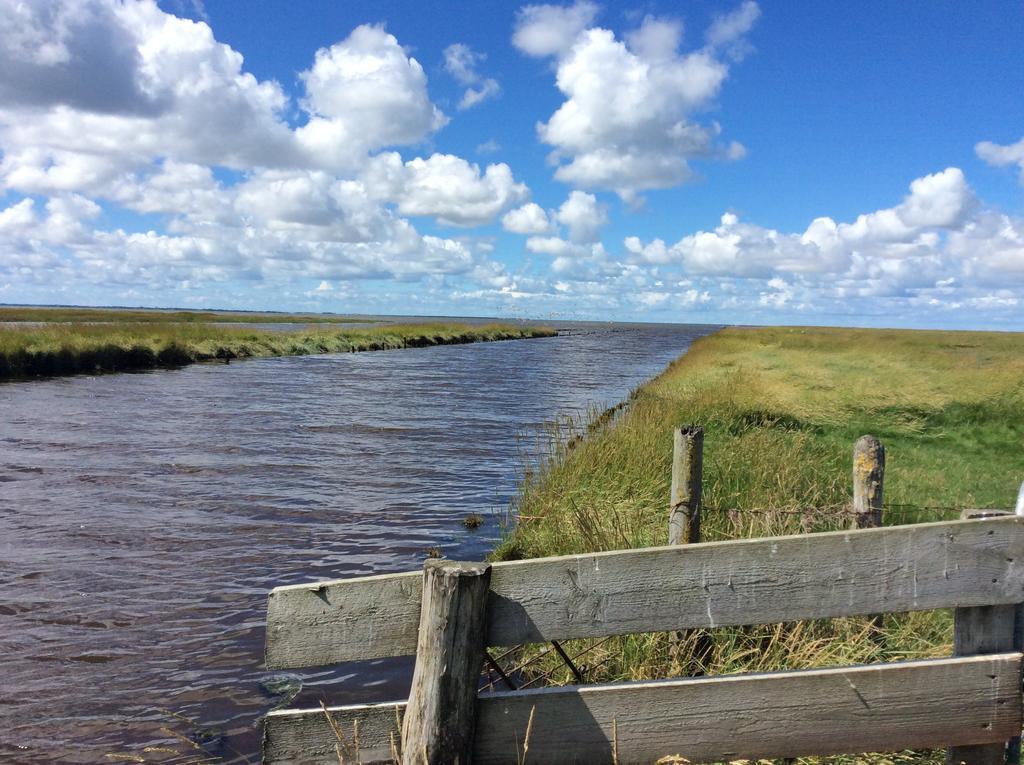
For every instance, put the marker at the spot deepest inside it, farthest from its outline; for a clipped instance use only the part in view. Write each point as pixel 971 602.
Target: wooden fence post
pixel 980 630
pixel 684 528
pixel 441 713
pixel 868 477
pixel 687 474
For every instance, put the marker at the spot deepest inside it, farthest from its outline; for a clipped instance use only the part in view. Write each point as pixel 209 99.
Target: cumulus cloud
pixel 171 91
pixel 456 192
pixel 364 93
pixel 938 239
pixel 550 30
pixel 626 124
pixel 461 62
pixel 125 103
pixel 583 216
pixel 1003 155
pixel 528 219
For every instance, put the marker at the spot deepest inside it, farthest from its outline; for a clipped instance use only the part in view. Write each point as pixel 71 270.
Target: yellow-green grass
pixel 162 316
pixel 60 349
pixel 782 408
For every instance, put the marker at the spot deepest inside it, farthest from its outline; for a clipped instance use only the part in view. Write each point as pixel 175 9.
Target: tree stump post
pixel 441 714
pixel 687 474
pixel 868 477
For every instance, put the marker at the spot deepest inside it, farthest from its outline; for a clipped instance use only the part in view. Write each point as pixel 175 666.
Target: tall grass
pixel 781 410
pixel 60 349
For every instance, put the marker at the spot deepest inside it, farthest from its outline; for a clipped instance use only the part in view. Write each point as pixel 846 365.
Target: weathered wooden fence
pixel 449 613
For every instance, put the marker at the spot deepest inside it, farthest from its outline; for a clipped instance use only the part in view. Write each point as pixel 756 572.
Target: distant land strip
pixel 72 314
pixel 62 348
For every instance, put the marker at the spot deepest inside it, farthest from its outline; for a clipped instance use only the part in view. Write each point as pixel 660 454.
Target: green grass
pixel 65 314
pixel 62 349
pixel 782 409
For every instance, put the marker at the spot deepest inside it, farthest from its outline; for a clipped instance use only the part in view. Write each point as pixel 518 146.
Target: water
pixel 144 518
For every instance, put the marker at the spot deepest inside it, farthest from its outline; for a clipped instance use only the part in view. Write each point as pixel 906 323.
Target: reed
pixel 781 409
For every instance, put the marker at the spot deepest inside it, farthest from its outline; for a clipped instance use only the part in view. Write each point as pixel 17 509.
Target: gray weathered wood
pixel 305 736
pixel 687 476
pixel 845 573
pixel 440 715
pixel 868 479
pixel 920 704
pixel 976 631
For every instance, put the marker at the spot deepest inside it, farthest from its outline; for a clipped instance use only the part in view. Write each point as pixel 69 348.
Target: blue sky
pixel 794 162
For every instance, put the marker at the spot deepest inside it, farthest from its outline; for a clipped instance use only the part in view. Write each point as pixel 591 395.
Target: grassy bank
pixel 70 314
pixel 62 349
pixel 781 410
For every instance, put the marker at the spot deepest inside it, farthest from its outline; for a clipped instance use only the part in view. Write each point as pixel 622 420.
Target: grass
pixel 782 409
pixel 62 349
pixel 70 314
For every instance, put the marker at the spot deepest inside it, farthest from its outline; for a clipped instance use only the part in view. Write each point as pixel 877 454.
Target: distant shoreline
pixel 89 346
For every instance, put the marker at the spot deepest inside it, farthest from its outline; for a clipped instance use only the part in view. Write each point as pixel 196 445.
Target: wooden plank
pixel 441 713
pixel 976 631
pixel 306 736
pixel 844 573
pixel 919 704
pixel 982 630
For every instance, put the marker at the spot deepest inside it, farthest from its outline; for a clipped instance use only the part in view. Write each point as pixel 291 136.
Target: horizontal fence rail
pixel 914 704
pixel 845 573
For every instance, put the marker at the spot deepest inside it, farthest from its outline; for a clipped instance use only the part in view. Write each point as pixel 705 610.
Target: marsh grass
pixel 781 410
pixel 61 349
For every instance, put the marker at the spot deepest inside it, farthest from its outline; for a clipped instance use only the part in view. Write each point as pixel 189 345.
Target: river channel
pixel 144 517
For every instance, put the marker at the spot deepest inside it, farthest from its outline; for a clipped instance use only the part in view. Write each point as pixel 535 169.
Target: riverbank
pixel 74 348
pixel 781 410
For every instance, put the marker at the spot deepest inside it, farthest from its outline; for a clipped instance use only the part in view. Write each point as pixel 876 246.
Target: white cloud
pixel 583 217
pixel 488 88
pixel 455 192
pixel 528 219
pixel 554 246
pixel 550 30
pixel 461 62
pixel 626 123
pixel 1003 155
pixel 316 201
pixel 937 241
pixel 727 30
pixel 19 218
pixel 364 93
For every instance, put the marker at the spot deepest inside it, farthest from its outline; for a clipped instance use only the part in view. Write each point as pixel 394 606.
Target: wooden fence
pixel 447 614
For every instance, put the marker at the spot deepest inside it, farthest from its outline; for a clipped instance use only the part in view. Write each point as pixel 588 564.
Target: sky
pixel 765 162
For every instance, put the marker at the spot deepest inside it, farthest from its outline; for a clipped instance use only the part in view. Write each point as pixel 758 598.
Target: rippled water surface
pixel 144 518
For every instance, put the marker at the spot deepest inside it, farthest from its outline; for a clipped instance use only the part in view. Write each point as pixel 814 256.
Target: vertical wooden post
pixel 980 630
pixel 687 474
pixel 441 713
pixel 684 528
pixel 868 476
